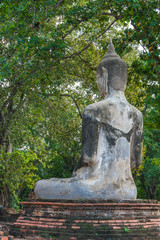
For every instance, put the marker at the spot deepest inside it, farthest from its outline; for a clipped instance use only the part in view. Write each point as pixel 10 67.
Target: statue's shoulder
pixel 99 105
pixel 138 114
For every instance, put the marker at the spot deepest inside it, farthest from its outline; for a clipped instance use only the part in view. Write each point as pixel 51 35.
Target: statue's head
pixel 111 72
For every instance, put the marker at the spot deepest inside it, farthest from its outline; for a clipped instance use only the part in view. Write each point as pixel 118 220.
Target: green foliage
pixel 17 171
pixel 148 179
pixel 49 54
pixel 151 142
pixel 126 230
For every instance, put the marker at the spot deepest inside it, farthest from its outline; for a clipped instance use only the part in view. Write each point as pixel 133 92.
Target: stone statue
pixel 111 143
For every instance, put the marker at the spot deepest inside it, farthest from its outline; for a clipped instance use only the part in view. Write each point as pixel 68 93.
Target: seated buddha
pixel 111 143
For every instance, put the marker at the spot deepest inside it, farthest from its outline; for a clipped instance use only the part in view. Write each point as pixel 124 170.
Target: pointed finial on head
pixel 111 51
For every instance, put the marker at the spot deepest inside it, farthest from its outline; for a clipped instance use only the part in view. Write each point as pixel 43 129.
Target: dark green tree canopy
pixel 49 52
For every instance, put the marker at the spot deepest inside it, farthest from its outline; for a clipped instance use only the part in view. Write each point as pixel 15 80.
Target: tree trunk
pixel 6 147
pixel 5 197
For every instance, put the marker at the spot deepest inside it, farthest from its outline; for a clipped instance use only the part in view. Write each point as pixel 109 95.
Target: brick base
pixel 109 220
pixel 4 233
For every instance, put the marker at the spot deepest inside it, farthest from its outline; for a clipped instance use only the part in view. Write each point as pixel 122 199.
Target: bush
pixel 148 179
pixel 17 171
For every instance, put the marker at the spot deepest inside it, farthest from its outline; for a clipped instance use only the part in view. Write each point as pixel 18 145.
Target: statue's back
pixel 111 143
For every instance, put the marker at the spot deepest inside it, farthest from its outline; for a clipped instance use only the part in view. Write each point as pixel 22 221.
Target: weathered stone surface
pixel 111 143
pixel 112 71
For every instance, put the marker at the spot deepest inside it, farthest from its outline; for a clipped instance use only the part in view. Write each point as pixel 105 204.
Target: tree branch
pixel 13 111
pixel 10 97
pixel 61 1
pixel 71 30
pixel 20 103
pixel 109 14
pixel 68 95
pixel 92 68
pixel 2 120
pixel 145 108
pixel 87 46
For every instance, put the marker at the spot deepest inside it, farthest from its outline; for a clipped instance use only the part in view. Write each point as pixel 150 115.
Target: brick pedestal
pixel 102 220
pixel 4 233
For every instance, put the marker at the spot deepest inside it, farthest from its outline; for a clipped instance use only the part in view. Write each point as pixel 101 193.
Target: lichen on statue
pixel 111 143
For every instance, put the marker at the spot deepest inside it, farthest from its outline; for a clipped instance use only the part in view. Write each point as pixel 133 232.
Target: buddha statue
pixel 111 143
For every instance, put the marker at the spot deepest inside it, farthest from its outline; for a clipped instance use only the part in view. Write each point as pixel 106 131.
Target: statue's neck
pixel 115 94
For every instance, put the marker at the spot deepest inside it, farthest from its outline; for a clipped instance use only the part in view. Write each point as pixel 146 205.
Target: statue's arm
pixel 89 139
pixel 136 143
